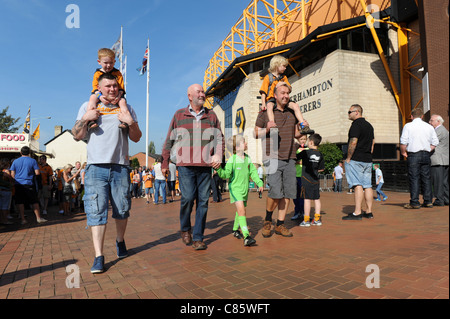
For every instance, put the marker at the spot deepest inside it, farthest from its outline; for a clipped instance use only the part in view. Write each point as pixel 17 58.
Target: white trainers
pixel 316 223
pixel 305 224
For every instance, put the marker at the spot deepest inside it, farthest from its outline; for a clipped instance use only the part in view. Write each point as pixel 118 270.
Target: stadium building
pixel 388 56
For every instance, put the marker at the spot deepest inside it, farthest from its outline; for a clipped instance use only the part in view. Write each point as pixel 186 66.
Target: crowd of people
pixel 27 182
pixel 196 170
pixel 150 183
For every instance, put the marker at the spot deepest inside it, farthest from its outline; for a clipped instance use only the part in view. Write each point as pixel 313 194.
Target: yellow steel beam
pixel 259 58
pixel 246 37
pixel 369 21
pixel 340 30
pixel 405 101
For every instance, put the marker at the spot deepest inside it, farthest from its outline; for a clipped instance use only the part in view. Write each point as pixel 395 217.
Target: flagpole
pixel 148 80
pixel 121 48
pixel 125 78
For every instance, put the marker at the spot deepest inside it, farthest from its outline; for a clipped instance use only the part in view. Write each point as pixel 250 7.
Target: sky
pixel 49 66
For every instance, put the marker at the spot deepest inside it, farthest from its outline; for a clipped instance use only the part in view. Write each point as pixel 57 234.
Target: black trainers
pixel 352 217
pixel 367 215
pixel 122 251
pixel 248 241
pixel 237 234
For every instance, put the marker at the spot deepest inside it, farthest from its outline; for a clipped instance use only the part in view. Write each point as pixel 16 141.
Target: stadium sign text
pixel 311 92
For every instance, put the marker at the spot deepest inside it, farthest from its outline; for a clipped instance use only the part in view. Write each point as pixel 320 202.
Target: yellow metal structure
pixel 267 24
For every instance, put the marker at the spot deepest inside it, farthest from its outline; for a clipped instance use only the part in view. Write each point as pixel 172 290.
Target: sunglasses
pixel 350 112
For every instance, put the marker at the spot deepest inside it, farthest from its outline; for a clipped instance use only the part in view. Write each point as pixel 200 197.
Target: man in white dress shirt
pixel 417 141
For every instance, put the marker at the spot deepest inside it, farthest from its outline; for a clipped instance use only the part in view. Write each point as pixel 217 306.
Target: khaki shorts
pixel 44 192
pixel 283 181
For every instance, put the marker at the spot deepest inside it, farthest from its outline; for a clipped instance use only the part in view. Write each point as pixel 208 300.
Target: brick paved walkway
pixel 410 247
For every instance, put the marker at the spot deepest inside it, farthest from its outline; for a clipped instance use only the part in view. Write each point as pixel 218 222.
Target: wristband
pixel 99 94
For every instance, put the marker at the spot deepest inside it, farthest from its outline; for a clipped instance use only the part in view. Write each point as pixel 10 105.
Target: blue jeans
pixel 419 173
pixel 299 202
pixel 195 186
pixel 380 192
pixel 160 185
pixel 106 183
pixel 338 185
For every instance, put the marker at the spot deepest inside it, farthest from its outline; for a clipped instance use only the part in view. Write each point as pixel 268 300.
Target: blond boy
pixel 278 65
pixel 106 59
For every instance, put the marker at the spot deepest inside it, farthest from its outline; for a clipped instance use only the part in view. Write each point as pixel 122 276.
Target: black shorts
pixel 310 189
pixel 25 194
pixel 171 185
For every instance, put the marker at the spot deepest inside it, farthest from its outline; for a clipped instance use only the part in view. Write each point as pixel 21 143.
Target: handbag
pixel 67 190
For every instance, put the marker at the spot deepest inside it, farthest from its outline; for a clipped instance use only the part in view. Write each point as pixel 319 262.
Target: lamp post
pixel 37 118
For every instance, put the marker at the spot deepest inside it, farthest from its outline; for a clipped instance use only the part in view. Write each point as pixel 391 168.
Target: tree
pixel 151 148
pixel 331 154
pixel 7 122
pixel 134 163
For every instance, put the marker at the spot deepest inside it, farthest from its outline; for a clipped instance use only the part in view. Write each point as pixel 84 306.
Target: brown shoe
pixel 409 206
pixel 186 237
pixel 266 230
pixel 306 130
pixel 198 245
pixel 283 231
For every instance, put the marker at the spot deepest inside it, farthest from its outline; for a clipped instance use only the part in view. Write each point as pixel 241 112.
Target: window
pixel 227 106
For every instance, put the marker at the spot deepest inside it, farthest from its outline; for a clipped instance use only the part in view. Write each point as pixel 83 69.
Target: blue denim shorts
pixel 5 200
pixel 106 183
pixel 358 174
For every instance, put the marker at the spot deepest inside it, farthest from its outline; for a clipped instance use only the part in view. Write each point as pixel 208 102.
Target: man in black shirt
pixel 358 165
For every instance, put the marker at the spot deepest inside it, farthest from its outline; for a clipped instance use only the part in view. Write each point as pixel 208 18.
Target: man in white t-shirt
pixel 338 173
pixel 379 181
pixel 159 183
pixel 171 180
pixel 108 167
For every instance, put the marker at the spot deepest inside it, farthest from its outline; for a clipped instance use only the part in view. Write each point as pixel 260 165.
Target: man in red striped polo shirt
pixel 194 143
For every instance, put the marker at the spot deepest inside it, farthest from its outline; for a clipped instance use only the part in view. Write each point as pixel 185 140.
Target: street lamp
pixel 37 118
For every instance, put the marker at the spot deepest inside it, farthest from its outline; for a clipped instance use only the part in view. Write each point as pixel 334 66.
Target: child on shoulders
pixel 106 58
pixel 278 65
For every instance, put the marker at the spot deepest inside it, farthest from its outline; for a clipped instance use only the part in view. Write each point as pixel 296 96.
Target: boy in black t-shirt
pixel 313 164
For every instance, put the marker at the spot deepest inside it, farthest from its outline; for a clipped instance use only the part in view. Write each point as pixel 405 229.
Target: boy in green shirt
pixel 238 169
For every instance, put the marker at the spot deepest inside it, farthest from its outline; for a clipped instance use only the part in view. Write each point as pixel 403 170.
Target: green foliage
pixel 332 155
pixel 7 122
pixel 151 148
pixel 134 163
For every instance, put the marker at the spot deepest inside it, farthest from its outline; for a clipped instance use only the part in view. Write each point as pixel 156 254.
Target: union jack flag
pixel 26 125
pixel 143 68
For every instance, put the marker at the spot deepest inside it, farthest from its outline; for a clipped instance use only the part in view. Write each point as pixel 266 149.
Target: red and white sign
pixel 13 142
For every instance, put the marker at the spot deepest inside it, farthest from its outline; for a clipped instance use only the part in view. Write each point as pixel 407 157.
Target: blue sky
pixel 50 67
